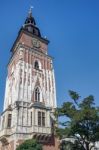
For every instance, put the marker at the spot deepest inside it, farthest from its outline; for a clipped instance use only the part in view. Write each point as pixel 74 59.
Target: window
pixel 41 119
pixel 37 95
pixel 9 120
pixel 28 79
pixel 36 65
pixel 24 77
pixel 31 118
pixel 21 76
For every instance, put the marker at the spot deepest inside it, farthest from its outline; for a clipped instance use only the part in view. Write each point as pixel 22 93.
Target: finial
pixel 30 11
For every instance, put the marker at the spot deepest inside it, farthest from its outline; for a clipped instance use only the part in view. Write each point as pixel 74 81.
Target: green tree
pixel 81 121
pixel 30 145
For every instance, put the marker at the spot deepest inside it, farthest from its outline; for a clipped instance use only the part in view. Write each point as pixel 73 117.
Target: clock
pixel 35 43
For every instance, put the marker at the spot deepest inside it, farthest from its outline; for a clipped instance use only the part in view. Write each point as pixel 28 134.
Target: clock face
pixel 35 42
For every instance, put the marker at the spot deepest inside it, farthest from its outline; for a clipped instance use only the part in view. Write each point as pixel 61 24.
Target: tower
pixel 30 94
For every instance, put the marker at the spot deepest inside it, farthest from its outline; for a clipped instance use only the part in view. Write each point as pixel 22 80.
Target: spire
pixel 30 19
pixel 30 24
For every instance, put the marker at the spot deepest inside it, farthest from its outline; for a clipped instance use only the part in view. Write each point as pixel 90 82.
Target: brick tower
pixel 30 94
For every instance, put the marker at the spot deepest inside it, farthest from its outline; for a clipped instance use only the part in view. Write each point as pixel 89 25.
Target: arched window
pixel 36 65
pixel 37 95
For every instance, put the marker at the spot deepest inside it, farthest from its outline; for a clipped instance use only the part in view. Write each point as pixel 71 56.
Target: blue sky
pixel 72 26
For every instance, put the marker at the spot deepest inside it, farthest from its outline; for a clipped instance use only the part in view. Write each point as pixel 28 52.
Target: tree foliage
pixel 30 145
pixel 81 121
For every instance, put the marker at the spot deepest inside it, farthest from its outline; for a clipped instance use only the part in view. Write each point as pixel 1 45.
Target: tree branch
pixel 92 147
pixel 80 142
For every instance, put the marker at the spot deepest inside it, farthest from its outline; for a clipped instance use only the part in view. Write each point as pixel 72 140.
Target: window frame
pixel 41 119
pixel 37 94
